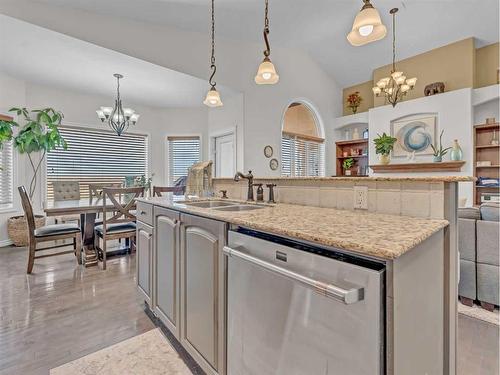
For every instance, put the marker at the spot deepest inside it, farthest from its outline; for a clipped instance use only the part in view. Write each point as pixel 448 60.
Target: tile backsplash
pixel 407 198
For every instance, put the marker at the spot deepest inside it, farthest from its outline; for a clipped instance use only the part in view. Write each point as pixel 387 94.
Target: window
pixel 6 180
pixel 183 152
pixel 96 156
pixel 302 149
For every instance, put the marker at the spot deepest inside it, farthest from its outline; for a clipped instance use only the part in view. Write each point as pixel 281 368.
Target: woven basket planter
pixel 17 228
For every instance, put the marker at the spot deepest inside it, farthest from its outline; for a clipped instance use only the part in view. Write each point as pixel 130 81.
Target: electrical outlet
pixel 361 197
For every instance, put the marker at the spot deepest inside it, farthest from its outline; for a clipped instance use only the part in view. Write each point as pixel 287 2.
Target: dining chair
pixel 95 192
pixel 157 190
pixel 64 191
pixel 122 222
pixel 47 233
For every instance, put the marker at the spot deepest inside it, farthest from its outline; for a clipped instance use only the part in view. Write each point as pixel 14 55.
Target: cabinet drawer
pixel 145 212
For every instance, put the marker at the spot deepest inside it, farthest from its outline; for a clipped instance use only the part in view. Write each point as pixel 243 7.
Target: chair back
pixel 66 190
pixel 157 190
pixel 121 209
pixel 28 209
pixel 95 190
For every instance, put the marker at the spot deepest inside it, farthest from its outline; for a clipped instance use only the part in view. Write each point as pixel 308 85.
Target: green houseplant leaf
pixel 384 144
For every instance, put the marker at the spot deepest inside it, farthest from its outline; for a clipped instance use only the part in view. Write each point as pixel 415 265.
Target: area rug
pixel 479 313
pixel 149 353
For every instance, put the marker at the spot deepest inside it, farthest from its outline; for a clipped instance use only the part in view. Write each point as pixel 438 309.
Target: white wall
pixel 79 110
pixel 486 110
pixel 454 115
pixel 188 52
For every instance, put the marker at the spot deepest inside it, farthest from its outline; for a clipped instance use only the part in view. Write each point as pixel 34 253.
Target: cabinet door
pixel 166 267
pixel 143 258
pixel 202 308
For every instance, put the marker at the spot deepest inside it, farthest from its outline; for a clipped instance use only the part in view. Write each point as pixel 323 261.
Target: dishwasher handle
pixel 347 296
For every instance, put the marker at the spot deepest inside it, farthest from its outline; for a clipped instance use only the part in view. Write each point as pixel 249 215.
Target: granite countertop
pixel 357 178
pixel 367 233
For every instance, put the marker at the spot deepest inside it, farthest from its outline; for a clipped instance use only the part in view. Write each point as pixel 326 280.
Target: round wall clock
pixel 273 164
pixel 268 151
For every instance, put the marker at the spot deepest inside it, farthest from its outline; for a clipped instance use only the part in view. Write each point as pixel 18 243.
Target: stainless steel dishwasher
pixel 297 309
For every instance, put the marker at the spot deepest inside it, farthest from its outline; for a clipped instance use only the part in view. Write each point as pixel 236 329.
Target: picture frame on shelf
pixel 414 134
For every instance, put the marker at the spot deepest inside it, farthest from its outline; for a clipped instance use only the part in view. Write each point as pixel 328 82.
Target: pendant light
pixel 266 75
pixel 213 97
pixel 117 117
pixel 367 26
pixel 396 86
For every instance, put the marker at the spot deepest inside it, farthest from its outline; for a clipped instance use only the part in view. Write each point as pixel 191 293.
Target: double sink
pixel 221 205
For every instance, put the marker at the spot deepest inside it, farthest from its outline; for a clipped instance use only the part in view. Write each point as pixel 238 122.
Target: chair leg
pixel 31 256
pixel 78 247
pixel 104 246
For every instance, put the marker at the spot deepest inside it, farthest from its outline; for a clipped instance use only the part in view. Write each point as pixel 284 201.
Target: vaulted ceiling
pixel 319 26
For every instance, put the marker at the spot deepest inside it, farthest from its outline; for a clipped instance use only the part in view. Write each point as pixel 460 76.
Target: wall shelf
pixel 484 151
pixel 361 161
pixel 445 166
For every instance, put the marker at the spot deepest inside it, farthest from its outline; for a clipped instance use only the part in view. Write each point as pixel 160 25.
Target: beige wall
pixel 365 90
pixel 452 64
pixel 459 65
pixel 486 65
pixel 300 120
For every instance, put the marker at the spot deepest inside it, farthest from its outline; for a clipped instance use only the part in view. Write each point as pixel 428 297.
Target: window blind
pixel 96 156
pixel 6 173
pixel 183 152
pixel 301 157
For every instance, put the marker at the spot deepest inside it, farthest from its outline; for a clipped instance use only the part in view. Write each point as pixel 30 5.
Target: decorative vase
pixel 384 159
pixel 354 109
pixel 355 134
pixel 456 153
pixel 438 159
pixel 347 172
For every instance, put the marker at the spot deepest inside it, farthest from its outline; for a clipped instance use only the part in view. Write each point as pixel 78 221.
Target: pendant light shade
pixel 266 74
pixel 213 98
pixel 367 26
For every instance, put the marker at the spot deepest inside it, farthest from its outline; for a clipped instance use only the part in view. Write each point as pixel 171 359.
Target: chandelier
pixel 213 97
pixel 118 118
pixel 266 74
pixel 396 86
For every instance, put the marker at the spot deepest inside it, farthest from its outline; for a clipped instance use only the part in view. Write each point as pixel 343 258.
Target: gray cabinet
pixel 203 291
pixel 144 257
pixel 166 264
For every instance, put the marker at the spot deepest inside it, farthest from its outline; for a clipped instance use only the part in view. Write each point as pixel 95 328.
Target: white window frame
pixel 12 207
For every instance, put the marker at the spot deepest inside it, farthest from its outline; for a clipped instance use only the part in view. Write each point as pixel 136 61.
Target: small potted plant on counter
pixel 347 165
pixel 353 101
pixel 439 152
pixel 383 146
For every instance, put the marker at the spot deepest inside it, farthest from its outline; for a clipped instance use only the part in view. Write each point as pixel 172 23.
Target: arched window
pixel 302 143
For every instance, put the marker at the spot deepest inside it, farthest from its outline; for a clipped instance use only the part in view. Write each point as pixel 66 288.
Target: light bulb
pixel 266 76
pixel 377 90
pixel 365 30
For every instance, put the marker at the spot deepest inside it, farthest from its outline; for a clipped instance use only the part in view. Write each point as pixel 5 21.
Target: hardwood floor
pixel 63 311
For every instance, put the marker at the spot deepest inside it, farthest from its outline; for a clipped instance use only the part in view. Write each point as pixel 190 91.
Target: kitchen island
pixel 183 265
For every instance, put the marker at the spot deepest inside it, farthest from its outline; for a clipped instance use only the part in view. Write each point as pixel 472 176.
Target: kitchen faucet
pixel 248 176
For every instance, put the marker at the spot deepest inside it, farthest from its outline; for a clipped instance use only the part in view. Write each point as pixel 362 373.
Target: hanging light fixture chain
pixel 267 52
pixel 394 41
pixel 118 88
pixel 212 58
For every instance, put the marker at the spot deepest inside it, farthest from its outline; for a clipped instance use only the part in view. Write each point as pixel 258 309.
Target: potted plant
pixel 439 152
pixel 353 101
pixel 347 165
pixel 39 135
pixel 383 146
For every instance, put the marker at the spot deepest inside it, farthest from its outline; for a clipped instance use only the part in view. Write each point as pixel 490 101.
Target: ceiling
pixel 88 68
pixel 319 26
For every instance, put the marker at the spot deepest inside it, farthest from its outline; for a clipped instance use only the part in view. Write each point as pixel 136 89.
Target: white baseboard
pixel 4 243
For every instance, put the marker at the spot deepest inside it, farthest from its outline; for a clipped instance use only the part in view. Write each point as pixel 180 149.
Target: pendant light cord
pixel 267 52
pixel 212 59
pixel 393 12
pixel 118 88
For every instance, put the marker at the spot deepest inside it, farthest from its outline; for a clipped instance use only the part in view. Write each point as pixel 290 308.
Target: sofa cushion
pixel 469 213
pixel 467 239
pixel 487 283
pixel 487 242
pixel 467 284
pixel 490 211
pixel 55 229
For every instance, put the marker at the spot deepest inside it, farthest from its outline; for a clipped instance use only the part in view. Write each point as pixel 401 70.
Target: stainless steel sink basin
pixel 241 207
pixel 210 204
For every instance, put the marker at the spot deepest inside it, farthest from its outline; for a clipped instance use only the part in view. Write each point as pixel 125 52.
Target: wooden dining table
pixel 88 210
